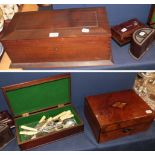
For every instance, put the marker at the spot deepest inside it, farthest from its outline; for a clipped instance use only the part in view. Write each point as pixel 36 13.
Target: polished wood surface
pixel 131 26
pixel 107 118
pixel 123 132
pixel 71 46
pixel 5 61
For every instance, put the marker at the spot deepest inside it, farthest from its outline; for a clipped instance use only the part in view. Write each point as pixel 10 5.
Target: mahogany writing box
pixel 29 101
pixel 59 38
pixel 117 114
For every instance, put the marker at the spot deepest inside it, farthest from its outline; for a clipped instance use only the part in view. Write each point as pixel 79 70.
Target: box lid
pixel 58 23
pixel 38 95
pixel 119 110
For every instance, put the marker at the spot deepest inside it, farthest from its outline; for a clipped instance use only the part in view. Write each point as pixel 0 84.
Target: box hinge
pixel 60 105
pixel 25 115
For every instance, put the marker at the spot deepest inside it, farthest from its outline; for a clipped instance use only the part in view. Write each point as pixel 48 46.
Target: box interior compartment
pixel 32 120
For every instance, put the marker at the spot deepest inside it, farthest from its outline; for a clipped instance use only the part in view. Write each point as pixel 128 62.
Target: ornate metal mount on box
pixel 145 87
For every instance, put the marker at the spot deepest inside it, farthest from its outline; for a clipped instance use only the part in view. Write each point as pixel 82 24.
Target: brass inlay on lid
pixel 119 105
pixel 25 115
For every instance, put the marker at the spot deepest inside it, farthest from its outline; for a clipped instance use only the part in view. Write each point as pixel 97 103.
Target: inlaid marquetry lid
pixel 119 109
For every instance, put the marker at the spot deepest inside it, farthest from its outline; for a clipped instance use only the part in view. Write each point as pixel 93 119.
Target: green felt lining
pixel 32 120
pixel 153 18
pixel 40 96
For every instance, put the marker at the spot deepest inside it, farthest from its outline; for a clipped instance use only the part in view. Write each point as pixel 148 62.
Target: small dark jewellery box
pixel 5 135
pixel 122 33
pixel 59 38
pixel 29 101
pixel 6 118
pixel 141 41
pixel 117 114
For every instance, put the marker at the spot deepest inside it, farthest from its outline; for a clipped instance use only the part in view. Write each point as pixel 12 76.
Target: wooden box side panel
pixel 132 122
pixel 92 121
pixel 123 132
pixel 63 49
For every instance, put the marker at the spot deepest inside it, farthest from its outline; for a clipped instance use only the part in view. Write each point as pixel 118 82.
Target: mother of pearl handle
pixel 62 118
pixel 28 128
pixel 42 119
pixel 49 120
pixel 61 114
pixel 29 133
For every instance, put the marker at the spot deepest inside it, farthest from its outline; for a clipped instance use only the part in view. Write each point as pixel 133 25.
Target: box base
pixel 121 42
pixel 62 64
pixel 102 137
pixel 105 137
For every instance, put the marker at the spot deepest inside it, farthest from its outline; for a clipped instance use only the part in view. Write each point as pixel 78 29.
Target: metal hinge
pixel 60 105
pixel 25 115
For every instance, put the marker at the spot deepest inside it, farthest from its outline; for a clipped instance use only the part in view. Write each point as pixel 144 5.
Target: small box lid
pixel 38 95
pixel 58 23
pixel 119 110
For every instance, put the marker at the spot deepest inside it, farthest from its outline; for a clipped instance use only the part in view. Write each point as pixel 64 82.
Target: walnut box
pixel 117 114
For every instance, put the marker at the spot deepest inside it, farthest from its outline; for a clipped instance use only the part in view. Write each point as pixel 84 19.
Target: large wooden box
pixel 29 101
pixel 117 114
pixel 59 38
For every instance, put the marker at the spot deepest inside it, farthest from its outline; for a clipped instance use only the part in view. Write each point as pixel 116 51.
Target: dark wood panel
pixel 28 44
pixel 123 132
pixel 111 113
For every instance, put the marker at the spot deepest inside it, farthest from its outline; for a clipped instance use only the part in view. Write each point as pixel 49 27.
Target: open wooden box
pixel 29 101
